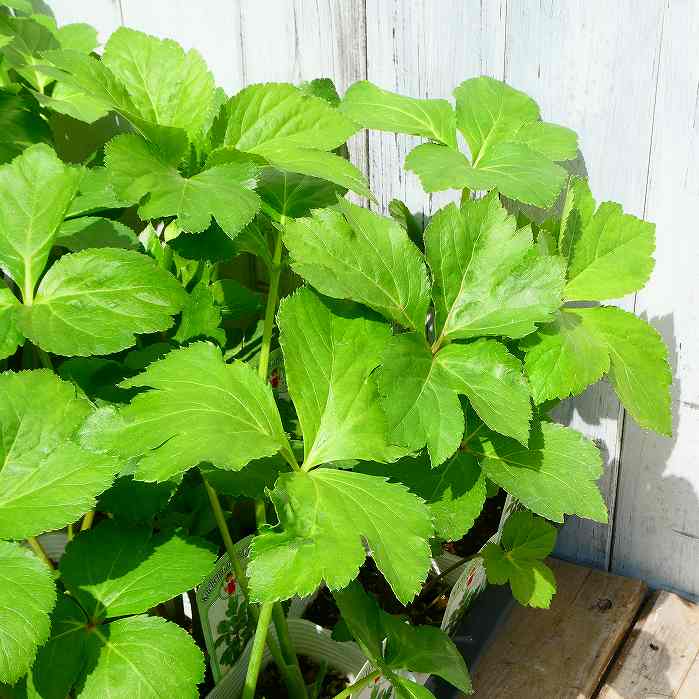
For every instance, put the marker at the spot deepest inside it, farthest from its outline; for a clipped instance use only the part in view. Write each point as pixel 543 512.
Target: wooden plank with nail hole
pixel 561 652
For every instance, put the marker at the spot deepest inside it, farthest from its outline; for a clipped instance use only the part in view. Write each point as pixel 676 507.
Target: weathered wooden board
pixel 656 536
pixel 560 653
pixel 660 658
pixel 594 72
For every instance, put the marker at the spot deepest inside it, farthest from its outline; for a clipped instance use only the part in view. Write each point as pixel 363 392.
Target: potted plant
pixel 204 340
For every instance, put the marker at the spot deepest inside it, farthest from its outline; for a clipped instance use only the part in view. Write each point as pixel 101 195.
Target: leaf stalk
pixel 358 685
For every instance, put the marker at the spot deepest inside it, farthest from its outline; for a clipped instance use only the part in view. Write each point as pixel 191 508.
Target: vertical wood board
pixel 657 526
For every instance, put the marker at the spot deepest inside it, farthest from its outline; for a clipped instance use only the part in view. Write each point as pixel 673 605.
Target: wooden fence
pixel 624 75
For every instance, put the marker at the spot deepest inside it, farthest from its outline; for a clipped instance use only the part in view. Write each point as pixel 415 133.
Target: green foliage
pixel 518 559
pixel 114 570
pixel 312 548
pixel 47 480
pixel 27 596
pixel 400 399
pixel 393 645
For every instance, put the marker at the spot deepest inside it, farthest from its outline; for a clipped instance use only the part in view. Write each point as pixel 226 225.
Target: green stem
pixel 359 684
pixel 271 308
pixel 88 519
pixel 71 533
pixel 237 564
pixel 258 647
pixel 39 551
pixel 233 556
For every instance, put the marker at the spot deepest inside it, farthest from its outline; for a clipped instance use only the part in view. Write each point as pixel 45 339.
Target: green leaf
pixel 92 77
pixel 555 475
pixel 250 482
pixel 59 661
pixel 323 88
pixel 47 480
pixel 97 301
pixel 584 343
pixel 511 150
pixel 115 569
pixel 455 492
pixel 407 689
pixel 19 5
pixel 293 195
pixel 271 115
pixel 518 559
pixel 578 210
pixel 553 141
pixel 374 108
pixel 324 517
pixel 213 245
pixel 96 377
pixel 317 163
pixel 512 168
pixel 563 358
pixel 489 112
pixel 423 649
pixel 21 125
pixel 95 232
pixel 143 656
pixel 201 317
pixel 96 193
pixel 639 371
pixel 330 353
pixel 234 299
pixel 27 595
pixel 401 214
pixel 78 36
pixel 611 254
pixel 166 85
pixel 520 173
pixel 489 278
pixel 224 191
pixel 419 392
pixel 36 189
pixel 439 167
pixel 492 380
pixel 420 406
pixel 356 254
pixel 73 102
pixel 31 38
pixel 135 501
pixel 198 409
pixel 10 336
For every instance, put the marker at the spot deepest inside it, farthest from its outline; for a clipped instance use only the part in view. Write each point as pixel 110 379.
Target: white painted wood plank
pixel 211 27
pixel 592 66
pixel 657 530
pixel 103 15
pixel 424 49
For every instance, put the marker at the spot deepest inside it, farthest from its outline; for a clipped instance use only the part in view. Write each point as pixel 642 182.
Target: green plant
pixel 421 368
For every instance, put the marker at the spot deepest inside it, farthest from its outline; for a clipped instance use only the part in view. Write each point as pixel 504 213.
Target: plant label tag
pixel 223 613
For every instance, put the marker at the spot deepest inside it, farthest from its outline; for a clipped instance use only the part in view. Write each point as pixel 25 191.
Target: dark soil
pixel 271 686
pixel 484 527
